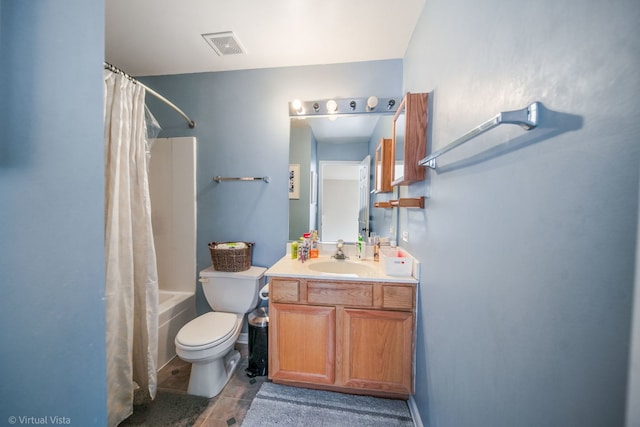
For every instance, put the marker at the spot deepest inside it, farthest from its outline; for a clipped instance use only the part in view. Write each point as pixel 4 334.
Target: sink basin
pixel 345 268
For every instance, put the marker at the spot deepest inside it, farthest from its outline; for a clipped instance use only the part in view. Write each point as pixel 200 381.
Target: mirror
pixel 325 194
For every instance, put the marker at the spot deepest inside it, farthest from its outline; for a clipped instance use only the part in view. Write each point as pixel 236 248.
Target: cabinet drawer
pixel 284 290
pixel 398 297
pixel 340 293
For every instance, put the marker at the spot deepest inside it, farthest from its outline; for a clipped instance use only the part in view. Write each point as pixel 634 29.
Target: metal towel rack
pixel 242 178
pixel 526 117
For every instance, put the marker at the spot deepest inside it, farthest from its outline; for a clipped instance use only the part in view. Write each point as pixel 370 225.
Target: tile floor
pixel 226 409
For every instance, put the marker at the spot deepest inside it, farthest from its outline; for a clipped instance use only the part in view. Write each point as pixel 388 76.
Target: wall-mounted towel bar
pixel 527 118
pixel 403 202
pixel 242 178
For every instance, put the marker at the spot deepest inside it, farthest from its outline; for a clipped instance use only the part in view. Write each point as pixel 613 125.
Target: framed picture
pixel 294 181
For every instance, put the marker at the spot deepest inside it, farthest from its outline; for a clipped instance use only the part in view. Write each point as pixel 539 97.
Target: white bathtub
pixel 175 310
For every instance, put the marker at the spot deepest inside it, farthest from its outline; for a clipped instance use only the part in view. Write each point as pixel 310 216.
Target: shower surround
pixel 172 186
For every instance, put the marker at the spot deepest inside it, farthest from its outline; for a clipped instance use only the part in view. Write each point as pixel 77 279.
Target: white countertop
pixel 287 267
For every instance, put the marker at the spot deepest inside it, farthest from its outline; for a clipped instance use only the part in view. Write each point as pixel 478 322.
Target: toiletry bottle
pixel 301 249
pixel 294 250
pixel 313 252
pixel 306 246
pixel 376 248
pixel 359 246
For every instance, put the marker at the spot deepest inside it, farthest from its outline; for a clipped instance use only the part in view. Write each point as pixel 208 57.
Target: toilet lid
pixel 207 329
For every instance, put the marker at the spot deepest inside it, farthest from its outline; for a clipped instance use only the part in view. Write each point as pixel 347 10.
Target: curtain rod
pixel 115 69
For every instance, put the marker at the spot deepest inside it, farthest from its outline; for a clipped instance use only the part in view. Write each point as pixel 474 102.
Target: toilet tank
pixel 232 292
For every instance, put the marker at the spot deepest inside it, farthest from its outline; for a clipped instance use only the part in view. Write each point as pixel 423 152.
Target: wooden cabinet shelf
pixel 403 202
pixel 353 337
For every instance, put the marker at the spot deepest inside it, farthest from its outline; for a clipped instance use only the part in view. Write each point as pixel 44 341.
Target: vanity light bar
pixel 344 106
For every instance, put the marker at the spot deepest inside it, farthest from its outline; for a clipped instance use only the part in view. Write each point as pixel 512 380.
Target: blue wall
pixel 302 146
pixel 527 239
pixel 243 130
pixel 51 219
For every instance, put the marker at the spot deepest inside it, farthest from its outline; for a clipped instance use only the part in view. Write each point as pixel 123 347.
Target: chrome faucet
pixel 339 252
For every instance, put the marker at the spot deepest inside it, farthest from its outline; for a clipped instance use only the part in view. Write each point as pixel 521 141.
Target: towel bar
pixel 526 117
pixel 242 178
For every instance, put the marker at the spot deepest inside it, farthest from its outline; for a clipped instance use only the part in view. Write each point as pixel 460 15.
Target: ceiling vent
pixel 224 43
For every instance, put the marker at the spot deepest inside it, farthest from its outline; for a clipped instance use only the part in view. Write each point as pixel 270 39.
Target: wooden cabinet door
pixel 302 343
pixel 378 350
pixel 409 139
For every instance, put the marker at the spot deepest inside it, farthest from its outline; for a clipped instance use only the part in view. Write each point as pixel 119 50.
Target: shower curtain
pixel 131 272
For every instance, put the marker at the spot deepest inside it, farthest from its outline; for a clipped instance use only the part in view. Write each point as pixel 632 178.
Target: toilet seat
pixel 207 330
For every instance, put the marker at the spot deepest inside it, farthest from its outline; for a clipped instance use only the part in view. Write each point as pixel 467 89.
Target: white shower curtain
pixel 131 271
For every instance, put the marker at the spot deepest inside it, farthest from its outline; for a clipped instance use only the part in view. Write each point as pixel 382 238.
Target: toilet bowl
pixel 207 342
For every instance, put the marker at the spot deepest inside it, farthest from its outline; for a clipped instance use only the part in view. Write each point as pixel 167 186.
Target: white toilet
pixel 208 340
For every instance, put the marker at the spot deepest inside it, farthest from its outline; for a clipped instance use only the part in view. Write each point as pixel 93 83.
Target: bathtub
pixel 175 309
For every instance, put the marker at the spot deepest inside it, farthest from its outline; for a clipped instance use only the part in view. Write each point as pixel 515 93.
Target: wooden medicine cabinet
pixel 409 142
pixel 383 172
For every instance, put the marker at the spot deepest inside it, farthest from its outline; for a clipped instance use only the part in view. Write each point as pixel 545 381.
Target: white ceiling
pixel 159 37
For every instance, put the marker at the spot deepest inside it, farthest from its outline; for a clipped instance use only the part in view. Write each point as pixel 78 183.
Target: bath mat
pixel 168 409
pixel 280 405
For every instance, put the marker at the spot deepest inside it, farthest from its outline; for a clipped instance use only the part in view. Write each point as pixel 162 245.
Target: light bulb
pixel 332 106
pixel 372 103
pixel 297 106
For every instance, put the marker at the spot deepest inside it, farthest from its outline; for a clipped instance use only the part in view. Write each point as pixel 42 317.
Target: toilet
pixel 207 342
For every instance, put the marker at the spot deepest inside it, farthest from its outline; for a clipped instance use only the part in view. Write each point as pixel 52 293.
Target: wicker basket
pixel 231 259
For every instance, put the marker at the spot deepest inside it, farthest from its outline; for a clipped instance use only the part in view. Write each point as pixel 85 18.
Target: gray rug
pixel 279 405
pixel 167 409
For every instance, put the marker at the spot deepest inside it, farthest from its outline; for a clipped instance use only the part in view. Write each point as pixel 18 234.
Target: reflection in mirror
pixel 338 204
pixel 383 166
pixel 398 143
pixel 342 143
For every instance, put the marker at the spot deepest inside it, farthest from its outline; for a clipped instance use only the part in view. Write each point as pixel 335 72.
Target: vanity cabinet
pixel 410 139
pixel 355 337
pixel 383 174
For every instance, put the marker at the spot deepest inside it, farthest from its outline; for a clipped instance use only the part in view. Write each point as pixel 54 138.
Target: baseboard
pixel 243 338
pixel 415 414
